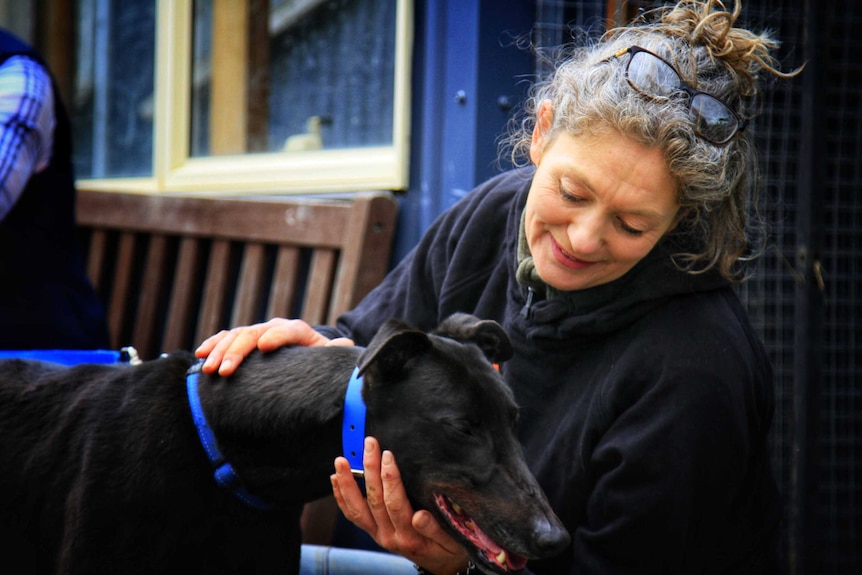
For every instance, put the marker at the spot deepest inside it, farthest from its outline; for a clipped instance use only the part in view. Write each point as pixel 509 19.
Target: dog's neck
pixel 278 420
pixel 223 471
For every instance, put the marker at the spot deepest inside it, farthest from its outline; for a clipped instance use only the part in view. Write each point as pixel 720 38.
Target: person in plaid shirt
pixel 46 299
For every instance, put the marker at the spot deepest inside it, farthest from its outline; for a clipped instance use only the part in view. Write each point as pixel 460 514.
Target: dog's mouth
pixel 489 552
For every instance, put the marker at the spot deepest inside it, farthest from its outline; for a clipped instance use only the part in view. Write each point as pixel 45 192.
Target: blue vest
pixel 46 299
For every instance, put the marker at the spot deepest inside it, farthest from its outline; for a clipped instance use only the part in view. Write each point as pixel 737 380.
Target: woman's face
pixel 596 207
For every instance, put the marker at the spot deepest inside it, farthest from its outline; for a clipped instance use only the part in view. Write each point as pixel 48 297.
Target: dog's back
pixel 103 473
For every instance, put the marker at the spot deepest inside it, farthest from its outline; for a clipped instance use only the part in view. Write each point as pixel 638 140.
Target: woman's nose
pixel 587 232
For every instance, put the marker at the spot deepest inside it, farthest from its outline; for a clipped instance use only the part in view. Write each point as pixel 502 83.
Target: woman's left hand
pixel 386 513
pixel 225 350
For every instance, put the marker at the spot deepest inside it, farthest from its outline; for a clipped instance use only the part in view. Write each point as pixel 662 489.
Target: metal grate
pixel 841 405
pixel 556 20
pixel 773 295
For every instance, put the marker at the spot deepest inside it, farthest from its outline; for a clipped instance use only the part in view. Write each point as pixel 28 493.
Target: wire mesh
pixel 841 399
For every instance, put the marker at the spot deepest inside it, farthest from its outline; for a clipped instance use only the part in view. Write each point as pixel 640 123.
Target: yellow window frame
pixel 332 170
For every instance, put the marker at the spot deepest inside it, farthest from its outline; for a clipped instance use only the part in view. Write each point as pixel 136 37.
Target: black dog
pixel 102 469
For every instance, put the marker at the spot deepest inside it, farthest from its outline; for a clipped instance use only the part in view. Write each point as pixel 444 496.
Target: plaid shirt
pixel 26 126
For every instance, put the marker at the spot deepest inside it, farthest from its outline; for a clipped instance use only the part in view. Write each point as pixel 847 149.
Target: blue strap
pixel 353 428
pixel 63 356
pixel 225 474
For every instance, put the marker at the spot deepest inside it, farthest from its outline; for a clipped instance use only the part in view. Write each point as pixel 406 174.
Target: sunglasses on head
pixel 653 77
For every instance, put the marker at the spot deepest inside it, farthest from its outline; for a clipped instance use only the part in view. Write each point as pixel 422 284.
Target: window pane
pixel 112 103
pixel 292 75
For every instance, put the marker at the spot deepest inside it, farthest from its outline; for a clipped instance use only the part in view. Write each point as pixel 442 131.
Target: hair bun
pixel 710 24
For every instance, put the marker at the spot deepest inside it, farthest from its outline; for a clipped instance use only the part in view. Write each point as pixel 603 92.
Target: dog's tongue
pixel 487 546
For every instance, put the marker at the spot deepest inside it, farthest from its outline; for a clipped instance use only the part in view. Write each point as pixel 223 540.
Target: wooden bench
pixel 172 270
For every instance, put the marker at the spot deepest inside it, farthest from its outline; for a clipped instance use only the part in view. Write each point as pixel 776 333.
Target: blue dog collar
pixel 225 474
pixel 353 428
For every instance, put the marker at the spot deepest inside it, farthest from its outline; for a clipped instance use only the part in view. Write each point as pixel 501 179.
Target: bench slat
pixel 312 223
pixel 150 288
pixel 215 289
pixel 319 286
pixel 283 289
pixel 179 325
pixel 121 285
pixel 98 245
pixel 251 280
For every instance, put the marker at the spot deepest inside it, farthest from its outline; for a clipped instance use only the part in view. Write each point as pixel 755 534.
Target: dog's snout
pixel 549 537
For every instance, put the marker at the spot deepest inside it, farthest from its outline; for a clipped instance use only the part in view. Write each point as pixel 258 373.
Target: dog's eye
pixel 462 426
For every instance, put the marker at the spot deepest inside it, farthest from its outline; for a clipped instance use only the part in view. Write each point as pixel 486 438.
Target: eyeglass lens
pixel 654 77
pixel 714 120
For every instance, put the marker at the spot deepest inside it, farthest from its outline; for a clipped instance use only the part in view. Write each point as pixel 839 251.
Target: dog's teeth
pixel 501 558
pixel 457 508
pixel 470 525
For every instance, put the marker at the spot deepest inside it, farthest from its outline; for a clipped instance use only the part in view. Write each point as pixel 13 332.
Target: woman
pixel 645 395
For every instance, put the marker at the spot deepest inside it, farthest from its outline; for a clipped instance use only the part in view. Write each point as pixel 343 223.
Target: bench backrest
pixel 173 270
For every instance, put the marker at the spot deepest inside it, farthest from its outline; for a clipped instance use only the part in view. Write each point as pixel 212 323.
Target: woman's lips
pixel 566 260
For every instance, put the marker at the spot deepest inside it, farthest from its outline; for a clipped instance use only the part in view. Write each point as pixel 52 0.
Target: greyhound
pixel 110 468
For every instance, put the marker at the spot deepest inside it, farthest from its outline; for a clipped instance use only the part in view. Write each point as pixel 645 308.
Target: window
pixel 242 95
pixel 113 88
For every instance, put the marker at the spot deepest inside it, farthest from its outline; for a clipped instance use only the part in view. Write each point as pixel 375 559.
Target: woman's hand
pixel 225 350
pixel 387 516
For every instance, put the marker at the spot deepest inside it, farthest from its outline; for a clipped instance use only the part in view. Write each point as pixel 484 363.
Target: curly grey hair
pixel 717 184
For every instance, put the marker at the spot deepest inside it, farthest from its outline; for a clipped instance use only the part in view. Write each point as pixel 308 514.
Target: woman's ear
pixel 541 131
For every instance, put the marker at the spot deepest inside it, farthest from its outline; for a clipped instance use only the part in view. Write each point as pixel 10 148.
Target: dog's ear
pixel 394 344
pixel 487 334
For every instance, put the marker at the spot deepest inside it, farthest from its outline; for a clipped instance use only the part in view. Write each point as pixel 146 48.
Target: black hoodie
pixel 645 402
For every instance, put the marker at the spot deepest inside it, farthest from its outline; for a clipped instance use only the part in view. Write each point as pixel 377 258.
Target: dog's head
pixel 437 402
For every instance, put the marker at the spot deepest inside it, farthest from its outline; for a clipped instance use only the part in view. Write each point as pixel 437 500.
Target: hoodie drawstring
pixel 527 309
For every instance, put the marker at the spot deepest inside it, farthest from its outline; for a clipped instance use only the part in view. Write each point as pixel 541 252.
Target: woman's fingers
pixel 369 512
pixel 349 497
pixel 209 344
pixel 374 490
pixel 396 504
pixel 225 350
pixel 425 523
pixel 280 332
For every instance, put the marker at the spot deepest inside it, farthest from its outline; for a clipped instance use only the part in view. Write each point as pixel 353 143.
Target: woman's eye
pixel 630 230
pixel 569 197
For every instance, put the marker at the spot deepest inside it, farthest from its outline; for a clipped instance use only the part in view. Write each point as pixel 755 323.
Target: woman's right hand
pixel 387 516
pixel 225 350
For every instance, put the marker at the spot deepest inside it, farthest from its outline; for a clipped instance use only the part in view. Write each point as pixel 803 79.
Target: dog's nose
pixel 550 537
